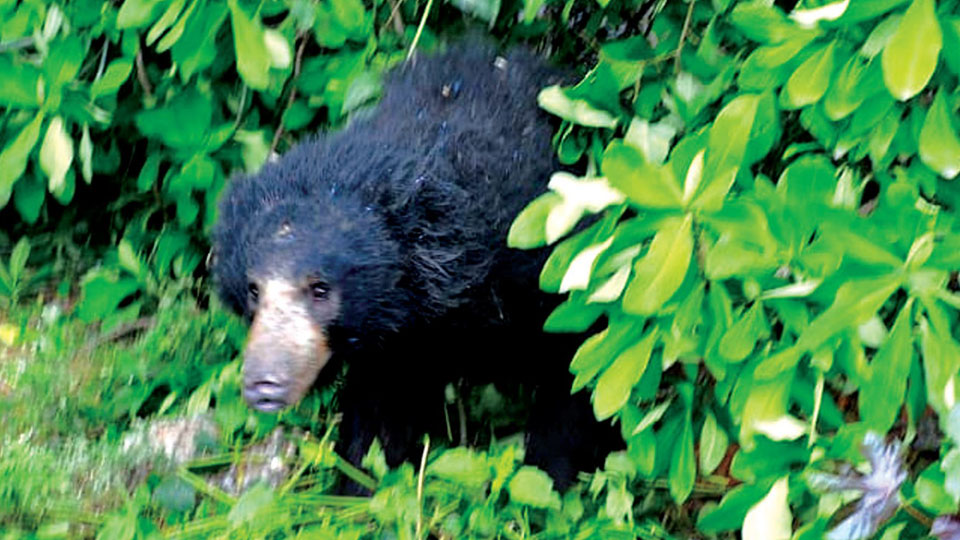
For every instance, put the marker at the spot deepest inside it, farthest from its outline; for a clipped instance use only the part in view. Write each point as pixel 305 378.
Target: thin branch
pixel 683 34
pixel 293 92
pixel 16 44
pixel 396 21
pixel 103 59
pixel 423 469
pixel 142 76
pixel 416 37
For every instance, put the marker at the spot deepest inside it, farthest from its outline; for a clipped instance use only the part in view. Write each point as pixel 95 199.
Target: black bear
pixel 383 246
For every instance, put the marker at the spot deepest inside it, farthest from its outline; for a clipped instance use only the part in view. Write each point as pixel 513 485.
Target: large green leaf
pixel 13 159
pixel 726 149
pixel 770 519
pixel 253 58
pixel 810 81
pixel 645 184
pixel 910 56
pixel 614 385
pixel 661 271
pixel 882 395
pixel 56 155
pixel 713 444
pixel 846 91
pixel 939 146
pixel 855 303
pixel 533 487
pixel 683 463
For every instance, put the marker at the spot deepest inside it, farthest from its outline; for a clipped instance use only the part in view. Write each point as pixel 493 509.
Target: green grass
pixel 81 407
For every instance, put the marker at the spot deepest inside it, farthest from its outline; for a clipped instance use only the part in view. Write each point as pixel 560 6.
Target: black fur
pixel 407 212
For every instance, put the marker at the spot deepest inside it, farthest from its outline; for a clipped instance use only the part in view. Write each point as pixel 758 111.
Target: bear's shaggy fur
pixel 389 239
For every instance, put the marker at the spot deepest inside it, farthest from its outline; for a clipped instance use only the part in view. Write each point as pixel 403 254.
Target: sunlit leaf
pixel 56 155
pixel 13 159
pixel 770 519
pixel 910 56
pixel 808 18
pixel 713 444
pixel 810 81
pixel 683 464
pixel 661 271
pixel 555 101
pixel 253 58
pixel 644 184
pixel 939 146
pixel 533 487
pixel 615 383
pixel 882 394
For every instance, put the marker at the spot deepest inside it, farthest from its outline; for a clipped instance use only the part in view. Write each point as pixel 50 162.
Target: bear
pixel 383 245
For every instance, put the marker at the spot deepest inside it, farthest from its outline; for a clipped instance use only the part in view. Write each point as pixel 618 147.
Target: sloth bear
pixel 384 246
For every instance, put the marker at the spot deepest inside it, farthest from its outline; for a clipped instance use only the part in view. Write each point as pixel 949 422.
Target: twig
pixel 416 37
pixel 16 44
pixel 241 106
pixel 423 469
pixel 103 59
pixel 293 92
pixel 683 34
pixel 397 22
pixel 142 76
pixel 121 331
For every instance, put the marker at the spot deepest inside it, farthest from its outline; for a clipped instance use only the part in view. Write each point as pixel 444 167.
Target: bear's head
pixel 311 273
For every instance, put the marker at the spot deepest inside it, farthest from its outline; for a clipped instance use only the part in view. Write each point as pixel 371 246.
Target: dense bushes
pixel 772 253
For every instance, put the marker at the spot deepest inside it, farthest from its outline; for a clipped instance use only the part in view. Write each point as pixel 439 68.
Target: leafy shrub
pixel 775 249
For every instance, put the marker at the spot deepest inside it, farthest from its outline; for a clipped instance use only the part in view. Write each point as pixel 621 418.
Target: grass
pixel 84 413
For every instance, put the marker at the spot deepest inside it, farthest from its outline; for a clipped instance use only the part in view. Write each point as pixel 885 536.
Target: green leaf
pixel 713 444
pixel 462 466
pixel 770 518
pixel 101 294
pixel 658 275
pixel 28 198
pixel 197 49
pixel 165 21
pixel 254 505
pixel 810 81
pixel 768 67
pixel 614 385
pixel 645 184
pixel 183 123
pixel 56 155
pixel 598 350
pixel 175 494
pixel 683 464
pixel 726 148
pixel 528 230
pixel 941 360
pixel 846 92
pixel 883 392
pixel 21 86
pixel 18 257
pixel 253 58
pixel 855 303
pixel 63 62
pixel 931 493
pixel 765 23
pixel 910 56
pixel 86 155
pixel 939 146
pixel 733 507
pixel 533 487
pixel 13 159
pixel 112 79
pixel 741 338
pixel 137 13
pixel 554 100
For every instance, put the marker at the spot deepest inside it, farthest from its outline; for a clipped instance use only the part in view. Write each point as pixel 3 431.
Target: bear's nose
pixel 265 395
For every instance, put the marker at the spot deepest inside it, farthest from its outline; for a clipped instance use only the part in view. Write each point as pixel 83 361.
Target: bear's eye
pixel 253 291
pixel 319 290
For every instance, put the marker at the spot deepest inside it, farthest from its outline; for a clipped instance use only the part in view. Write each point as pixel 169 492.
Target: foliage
pixel 775 237
pixel 755 224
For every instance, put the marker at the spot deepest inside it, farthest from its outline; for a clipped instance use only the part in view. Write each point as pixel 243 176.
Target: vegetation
pixel 757 237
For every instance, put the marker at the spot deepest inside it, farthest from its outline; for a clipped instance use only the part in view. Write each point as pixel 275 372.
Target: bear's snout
pixel 266 395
